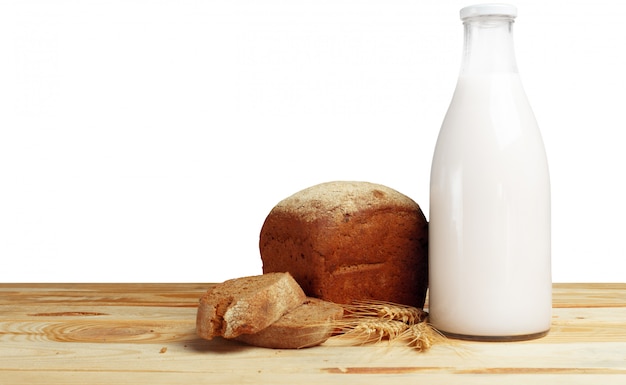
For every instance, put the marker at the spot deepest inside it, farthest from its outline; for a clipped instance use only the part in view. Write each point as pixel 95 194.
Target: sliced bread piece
pixel 307 325
pixel 246 305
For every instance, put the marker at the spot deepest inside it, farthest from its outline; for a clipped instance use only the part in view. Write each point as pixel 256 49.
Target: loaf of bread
pixel 345 241
pixel 309 324
pixel 247 305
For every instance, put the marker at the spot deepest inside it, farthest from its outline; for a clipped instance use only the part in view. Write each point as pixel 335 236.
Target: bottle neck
pixel 488 45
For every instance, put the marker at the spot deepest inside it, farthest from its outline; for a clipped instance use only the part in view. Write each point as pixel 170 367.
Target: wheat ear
pixel 371 321
pixel 386 310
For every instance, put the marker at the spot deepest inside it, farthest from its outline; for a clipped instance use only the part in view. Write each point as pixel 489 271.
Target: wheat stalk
pixel 373 330
pixel 386 310
pixel 371 321
pixel 421 336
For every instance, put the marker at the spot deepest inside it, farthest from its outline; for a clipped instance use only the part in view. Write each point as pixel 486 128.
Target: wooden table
pixel 144 334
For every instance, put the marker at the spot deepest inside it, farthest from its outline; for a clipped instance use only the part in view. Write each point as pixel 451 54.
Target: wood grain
pixel 145 334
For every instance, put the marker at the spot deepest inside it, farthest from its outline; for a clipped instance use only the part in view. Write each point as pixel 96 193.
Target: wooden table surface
pixel 144 334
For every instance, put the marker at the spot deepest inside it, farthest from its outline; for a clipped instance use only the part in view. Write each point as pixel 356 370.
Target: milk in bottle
pixel 489 234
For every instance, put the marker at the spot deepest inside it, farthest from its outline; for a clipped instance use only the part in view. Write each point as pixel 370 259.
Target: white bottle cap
pixel 488 10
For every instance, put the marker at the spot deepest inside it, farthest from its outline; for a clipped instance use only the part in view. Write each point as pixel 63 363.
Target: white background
pixel 147 140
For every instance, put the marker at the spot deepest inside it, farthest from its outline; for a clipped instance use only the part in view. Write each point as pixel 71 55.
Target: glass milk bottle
pixel 489 245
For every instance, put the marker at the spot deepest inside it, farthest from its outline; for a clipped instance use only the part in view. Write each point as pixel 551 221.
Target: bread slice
pixel 247 305
pixel 308 325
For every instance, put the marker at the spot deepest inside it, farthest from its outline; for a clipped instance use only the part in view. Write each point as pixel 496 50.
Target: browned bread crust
pixel 346 241
pixel 309 324
pixel 246 305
